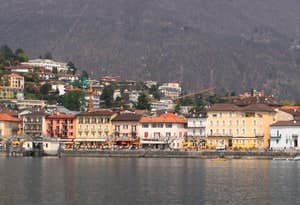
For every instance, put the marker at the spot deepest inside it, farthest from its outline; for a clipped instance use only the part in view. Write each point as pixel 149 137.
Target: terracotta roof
pixel 286 123
pixel 97 113
pixel 127 117
pixel 290 107
pixel 37 113
pixel 15 75
pixel 233 107
pixel 164 118
pixel 61 116
pixel 8 118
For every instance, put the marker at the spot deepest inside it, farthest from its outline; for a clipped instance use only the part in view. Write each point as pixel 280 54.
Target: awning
pixel 89 140
pixel 152 142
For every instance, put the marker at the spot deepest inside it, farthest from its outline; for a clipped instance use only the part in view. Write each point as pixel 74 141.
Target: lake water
pixel 84 181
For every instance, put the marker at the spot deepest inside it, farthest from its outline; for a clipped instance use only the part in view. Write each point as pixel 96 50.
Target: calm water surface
pixel 107 181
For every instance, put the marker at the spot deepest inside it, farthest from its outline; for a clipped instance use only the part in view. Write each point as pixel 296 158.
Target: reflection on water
pixel 147 181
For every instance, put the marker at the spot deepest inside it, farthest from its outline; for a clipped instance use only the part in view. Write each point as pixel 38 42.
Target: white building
pixel 165 130
pixel 285 135
pixel 196 126
pixel 162 105
pixel 48 64
pixel 170 90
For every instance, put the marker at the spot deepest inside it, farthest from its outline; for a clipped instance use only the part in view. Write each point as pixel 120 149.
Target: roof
pixel 164 118
pixel 127 117
pixel 36 113
pixel 61 116
pixel 14 75
pixel 224 107
pixel 249 108
pixel 97 113
pixel 286 123
pixel 8 118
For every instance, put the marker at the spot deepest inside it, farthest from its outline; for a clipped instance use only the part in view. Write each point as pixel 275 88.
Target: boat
pixel 297 158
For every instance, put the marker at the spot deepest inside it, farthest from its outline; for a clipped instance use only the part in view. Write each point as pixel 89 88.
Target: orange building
pixel 61 125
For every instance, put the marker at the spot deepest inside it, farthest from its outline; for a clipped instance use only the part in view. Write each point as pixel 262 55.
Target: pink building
pixel 125 128
pixel 61 125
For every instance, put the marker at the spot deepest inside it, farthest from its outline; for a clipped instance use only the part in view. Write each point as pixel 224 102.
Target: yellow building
pixel 94 127
pixel 242 127
pixel 9 126
pixel 13 88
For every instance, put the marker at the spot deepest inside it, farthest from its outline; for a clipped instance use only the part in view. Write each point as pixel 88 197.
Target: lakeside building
pixel 94 128
pixel 61 125
pixel 162 131
pixel 196 130
pixel 235 126
pixel 9 126
pixel 126 129
pixel 34 124
pixel 285 135
pixel 48 64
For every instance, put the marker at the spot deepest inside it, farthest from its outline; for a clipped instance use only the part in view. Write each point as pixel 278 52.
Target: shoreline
pixel 179 154
pixel 206 154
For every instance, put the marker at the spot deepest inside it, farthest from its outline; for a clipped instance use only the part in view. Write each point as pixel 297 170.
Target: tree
pixel 84 75
pixel 73 100
pixel 21 55
pixel 48 55
pixel 71 68
pixel 143 102
pixel 107 95
pixel 155 92
pixel 44 90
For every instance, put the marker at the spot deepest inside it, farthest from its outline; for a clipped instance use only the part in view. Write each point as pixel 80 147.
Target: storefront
pixel 89 143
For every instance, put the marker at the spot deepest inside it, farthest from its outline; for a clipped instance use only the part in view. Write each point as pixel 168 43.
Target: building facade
pixel 285 135
pixel 244 127
pixel 34 124
pixel 61 125
pixel 165 130
pixel 94 127
pixel 126 128
pixel 9 126
pixel 196 130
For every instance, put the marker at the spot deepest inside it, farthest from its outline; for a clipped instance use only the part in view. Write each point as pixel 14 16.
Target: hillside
pixel 231 44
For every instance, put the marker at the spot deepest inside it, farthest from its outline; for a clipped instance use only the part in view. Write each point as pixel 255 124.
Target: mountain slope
pixel 231 44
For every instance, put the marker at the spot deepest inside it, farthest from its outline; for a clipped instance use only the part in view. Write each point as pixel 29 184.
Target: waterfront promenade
pixel 206 154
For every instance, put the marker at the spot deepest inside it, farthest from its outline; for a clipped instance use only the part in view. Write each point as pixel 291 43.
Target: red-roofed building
pixel 165 130
pixel 9 126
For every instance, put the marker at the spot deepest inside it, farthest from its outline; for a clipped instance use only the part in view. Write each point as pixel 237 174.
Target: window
pixel 237 123
pixel 169 125
pixel 230 122
pixel 230 114
pixel 237 131
pixel 220 115
pixel 254 122
pixel 223 122
pixel 243 122
pixel 125 127
pixel 211 123
pixel 217 123
pixel 214 115
pixel 243 131
pixel 168 134
pixel 144 125
pixel 277 141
